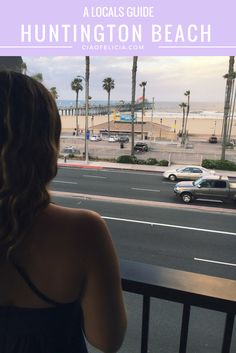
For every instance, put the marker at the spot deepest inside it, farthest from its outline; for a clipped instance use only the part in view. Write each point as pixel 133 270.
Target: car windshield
pixel 197 182
pixel 179 169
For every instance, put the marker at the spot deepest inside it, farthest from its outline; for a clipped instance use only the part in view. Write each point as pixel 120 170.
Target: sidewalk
pixel 123 166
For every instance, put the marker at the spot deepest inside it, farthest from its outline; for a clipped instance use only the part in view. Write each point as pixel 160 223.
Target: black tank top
pixel 57 329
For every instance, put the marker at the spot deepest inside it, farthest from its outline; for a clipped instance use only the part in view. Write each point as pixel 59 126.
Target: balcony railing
pixel 190 289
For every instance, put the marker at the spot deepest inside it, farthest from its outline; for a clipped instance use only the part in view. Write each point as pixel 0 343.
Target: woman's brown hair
pixel 29 141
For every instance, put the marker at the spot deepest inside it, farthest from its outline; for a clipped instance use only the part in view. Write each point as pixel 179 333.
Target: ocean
pixel 209 110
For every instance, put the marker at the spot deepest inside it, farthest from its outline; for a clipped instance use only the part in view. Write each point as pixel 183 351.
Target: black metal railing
pixel 190 289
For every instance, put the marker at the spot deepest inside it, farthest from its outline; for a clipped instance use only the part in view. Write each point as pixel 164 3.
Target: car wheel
pixel 172 177
pixel 186 197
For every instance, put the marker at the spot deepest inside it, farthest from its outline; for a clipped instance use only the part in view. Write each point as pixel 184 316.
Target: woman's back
pixel 61 258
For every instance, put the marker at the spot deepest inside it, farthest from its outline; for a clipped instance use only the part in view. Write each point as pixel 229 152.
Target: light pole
pixel 153 102
pixel 86 117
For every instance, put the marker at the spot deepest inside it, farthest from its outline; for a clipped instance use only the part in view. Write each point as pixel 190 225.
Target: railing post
pixel 229 324
pixel 145 324
pixel 184 329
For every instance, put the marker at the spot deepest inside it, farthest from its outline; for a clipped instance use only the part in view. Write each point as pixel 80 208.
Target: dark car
pixel 141 147
pixel 124 139
pixel 213 139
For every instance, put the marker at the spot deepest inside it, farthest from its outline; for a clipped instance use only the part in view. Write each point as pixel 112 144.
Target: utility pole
pixel 153 102
pixel 134 72
pixel 228 91
pixel 86 80
pixel 152 114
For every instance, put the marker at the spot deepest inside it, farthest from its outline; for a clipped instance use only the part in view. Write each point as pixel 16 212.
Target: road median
pixel 145 203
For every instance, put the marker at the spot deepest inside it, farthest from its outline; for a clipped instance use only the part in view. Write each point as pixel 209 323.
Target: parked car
pixel 141 147
pixel 112 139
pixel 95 138
pixel 212 187
pixel 186 173
pixel 213 139
pixel 70 150
pixel 124 139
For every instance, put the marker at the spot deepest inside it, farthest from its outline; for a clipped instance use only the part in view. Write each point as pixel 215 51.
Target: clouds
pixel 168 77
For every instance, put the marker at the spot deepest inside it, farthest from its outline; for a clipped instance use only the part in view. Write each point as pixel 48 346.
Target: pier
pixel 103 109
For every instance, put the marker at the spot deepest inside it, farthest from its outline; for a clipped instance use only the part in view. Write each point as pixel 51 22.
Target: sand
pixel 196 126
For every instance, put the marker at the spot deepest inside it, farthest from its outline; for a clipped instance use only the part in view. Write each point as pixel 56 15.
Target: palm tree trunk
pixel 134 72
pixel 142 112
pixel 142 115
pixel 108 114
pixel 186 118
pixel 227 104
pixel 183 122
pixel 87 67
pixel 76 113
pixel 232 114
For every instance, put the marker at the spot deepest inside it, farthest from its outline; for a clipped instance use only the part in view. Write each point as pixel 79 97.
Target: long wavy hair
pixel 30 129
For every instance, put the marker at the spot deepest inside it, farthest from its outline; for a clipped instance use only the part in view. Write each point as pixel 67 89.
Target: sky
pixel 167 78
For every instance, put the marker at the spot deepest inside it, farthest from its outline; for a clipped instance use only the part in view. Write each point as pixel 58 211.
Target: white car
pixel 95 138
pixel 70 150
pixel 187 173
pixel 112 139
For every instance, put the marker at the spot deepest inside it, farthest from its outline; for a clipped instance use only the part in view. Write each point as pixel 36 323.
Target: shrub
pixel 71 155
pixel 151 161
pixel 163 163
pixel 126 159
pixel 209 163
pixel 218 164
pixel 141 161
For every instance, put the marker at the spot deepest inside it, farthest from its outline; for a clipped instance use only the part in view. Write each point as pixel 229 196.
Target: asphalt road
pixel 183 239
pixel 125 184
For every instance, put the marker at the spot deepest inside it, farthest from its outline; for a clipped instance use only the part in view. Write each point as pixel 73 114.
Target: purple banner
pixel 107 28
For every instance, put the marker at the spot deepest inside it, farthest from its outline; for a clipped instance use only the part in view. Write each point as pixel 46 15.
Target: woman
pixel 59 273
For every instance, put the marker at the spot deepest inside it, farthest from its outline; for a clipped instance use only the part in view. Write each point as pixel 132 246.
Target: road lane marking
pixel 94 176
pixel 65 182
pixel 210 200
pixel 168 225
pixel 140 189
pixel 131 172
pixel 215 262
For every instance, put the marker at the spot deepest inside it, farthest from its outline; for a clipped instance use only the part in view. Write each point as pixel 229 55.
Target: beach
pixel 197 126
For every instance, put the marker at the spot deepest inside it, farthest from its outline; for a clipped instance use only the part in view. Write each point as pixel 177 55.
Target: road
pixel 124 184
pixel 185 239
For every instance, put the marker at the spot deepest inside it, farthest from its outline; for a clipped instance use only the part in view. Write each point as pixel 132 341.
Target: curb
pixel 82 166
pixel 129 168
pixel 135 202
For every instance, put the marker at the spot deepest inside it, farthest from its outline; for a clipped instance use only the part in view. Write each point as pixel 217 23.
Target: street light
pixel 86 116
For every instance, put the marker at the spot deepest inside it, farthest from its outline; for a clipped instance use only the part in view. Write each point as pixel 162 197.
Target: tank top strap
pixel 34 289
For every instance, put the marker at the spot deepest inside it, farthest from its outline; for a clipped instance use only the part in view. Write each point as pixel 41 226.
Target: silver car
pixel 187 173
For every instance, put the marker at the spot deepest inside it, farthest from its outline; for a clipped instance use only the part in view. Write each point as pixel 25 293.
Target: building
pixel 11 63
pixel 150 130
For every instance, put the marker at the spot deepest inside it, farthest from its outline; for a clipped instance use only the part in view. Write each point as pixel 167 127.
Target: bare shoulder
pixel 82 225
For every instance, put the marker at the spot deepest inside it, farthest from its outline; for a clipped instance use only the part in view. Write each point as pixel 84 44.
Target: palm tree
pixel 228 92
pixel 183 106
pixel 87 72
pixel 24 68
pixel 108 85
pixel 134 72
pixel 187 94
pixel 143 84
pixel 38 77
pixel 76 86
pixel 54 93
